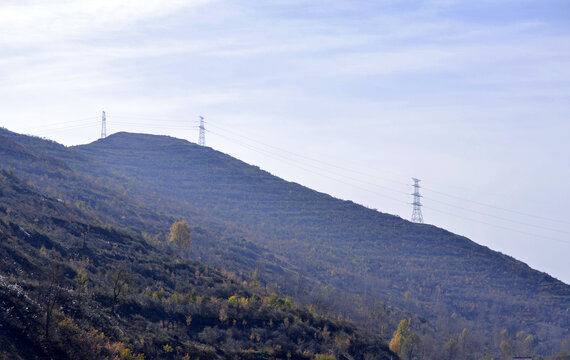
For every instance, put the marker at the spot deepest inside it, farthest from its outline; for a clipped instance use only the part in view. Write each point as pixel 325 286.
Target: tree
pixel 82 281
pixel 529 343
pixel 120 284
pixel 524 344
pixel 464 343
pixel 405 343
pixel 400 336
pixel 505 349
pixel 411 346
pixel 450 349
pixel 180 235
pixel 50 294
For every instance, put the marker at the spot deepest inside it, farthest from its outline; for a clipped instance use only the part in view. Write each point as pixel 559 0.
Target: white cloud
pixel 30 22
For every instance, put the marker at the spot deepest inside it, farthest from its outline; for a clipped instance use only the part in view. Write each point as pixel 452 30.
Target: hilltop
pixel 338 256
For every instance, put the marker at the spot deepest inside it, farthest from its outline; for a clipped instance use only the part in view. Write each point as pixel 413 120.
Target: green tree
pixel 529 343
pixel 450 349
pixel 505 349
pixel 411 346
pixel 82 281
pixel 180 235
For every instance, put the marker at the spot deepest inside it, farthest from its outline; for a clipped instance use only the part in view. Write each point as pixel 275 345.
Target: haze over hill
pixel 339 256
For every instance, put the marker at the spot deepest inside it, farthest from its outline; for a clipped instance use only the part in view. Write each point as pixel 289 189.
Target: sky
pixel 350 98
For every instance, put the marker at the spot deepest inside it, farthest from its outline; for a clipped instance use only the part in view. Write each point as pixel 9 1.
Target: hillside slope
pixel 111 197
pixel 336 255
pixel 74 287
pixel 448 279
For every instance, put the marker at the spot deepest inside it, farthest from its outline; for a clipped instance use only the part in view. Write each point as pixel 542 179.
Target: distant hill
pixel 340 257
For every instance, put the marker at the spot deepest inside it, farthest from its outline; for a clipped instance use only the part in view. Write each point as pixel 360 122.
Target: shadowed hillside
pixel 336 255
pixel 121 201
pixel 74 287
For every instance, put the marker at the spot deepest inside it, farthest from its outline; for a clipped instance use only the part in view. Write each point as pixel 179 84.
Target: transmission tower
pixel 417 213
pixel 202 137
pixel 104 126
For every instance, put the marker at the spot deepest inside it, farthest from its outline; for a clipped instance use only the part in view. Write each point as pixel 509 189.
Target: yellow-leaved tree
pixel 180 235
pixel 400 336
pixel 405 343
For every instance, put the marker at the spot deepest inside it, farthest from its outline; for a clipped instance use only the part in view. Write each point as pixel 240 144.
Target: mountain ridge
pixel 298 223
pixel 373 267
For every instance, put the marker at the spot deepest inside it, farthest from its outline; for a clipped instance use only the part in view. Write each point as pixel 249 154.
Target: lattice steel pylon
pixel 103 126
pixel 202 137
pixel 417 213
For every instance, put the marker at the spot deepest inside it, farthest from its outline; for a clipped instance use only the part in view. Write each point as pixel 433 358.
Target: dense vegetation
pixel 462 300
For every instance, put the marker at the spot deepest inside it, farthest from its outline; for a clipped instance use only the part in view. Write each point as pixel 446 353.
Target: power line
pixel 497 226
pixel 398 200
pixel 434 200
pixel 501 218
pixel 305 156
pixel 292 163
pixel 152 126
pixel 55 126
pixel 295 164
pixel 391 180
pixel 496 207
pixel 81 123
pixel 93 124
pixel 150 118
pixel 428 198
pixel 394 190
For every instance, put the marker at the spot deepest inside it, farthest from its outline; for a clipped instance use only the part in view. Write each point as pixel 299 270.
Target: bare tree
pixel 120 280
pixel 50 294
